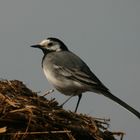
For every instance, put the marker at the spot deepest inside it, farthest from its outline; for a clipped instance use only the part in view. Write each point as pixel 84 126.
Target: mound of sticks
pixel 24 115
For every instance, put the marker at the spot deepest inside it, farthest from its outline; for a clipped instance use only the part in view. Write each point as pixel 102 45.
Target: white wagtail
pixel 70 75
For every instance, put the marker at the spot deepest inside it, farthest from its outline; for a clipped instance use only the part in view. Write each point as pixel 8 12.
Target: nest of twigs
pixel 26 116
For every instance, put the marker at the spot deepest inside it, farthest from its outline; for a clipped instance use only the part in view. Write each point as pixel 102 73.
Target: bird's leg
pixel 66 101
pixel 79 98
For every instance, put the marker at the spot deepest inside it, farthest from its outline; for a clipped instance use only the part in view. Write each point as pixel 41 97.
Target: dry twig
pixel 24 115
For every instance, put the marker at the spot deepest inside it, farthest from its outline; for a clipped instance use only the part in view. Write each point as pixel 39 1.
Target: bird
pixel 70 75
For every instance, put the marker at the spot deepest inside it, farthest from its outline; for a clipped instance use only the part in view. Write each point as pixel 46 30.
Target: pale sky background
pixel 105 33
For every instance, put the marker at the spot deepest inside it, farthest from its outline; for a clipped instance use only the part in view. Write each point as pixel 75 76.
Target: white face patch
pixel 54 47
pixel 44 42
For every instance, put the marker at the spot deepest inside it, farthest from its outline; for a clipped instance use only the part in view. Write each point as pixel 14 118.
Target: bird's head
pixel 51 45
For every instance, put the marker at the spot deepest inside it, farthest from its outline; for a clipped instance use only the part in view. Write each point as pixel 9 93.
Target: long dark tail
pixel 122 103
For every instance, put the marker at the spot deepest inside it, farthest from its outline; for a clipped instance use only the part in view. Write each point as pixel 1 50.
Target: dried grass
pixel 26 116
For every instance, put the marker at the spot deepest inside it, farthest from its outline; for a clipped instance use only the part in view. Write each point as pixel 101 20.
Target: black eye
pixel 50 44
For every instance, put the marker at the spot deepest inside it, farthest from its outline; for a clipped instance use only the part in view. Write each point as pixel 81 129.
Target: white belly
pixel 51 77
pixel 64 85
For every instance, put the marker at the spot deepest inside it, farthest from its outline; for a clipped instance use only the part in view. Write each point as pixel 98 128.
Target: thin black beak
pixel 36 46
